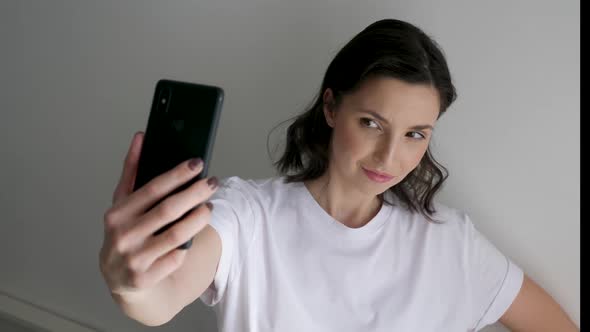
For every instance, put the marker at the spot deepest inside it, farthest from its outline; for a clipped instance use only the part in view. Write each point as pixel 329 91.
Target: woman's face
pixel 385 126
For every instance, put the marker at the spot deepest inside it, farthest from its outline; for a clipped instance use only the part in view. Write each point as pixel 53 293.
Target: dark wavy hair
pixel 386 48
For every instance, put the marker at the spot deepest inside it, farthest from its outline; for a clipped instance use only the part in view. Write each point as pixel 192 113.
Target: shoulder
pixel 449 216
pixel 454 220
pixel 454 223
pixel 256 197
pixel 260 189
pixel 250 185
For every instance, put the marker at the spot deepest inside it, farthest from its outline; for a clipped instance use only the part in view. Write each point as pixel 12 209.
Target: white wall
pixel 78 79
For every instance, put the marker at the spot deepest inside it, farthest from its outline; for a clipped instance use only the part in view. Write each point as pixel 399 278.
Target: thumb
pixel 127 179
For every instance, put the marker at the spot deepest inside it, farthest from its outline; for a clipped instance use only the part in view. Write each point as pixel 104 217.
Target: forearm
pixel 152 309
pixel 535 310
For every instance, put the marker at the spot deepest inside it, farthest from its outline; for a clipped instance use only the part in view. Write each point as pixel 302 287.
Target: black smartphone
pixel 182 124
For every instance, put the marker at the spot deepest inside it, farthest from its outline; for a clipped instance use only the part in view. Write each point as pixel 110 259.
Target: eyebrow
pixel 416 127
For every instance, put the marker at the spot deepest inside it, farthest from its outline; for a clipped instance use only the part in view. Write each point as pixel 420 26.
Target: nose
pixel 387 152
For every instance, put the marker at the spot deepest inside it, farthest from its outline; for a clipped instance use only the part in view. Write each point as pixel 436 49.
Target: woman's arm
pixel 535 310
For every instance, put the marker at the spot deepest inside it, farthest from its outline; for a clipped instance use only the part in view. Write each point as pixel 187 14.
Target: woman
pixel 348 238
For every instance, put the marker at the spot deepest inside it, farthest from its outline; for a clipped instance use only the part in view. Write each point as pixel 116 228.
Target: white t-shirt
pixel 287 265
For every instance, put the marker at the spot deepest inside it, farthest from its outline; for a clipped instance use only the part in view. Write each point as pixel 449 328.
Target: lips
pixel 377 176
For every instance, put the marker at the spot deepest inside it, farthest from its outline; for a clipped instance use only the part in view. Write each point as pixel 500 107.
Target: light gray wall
pixel 79 78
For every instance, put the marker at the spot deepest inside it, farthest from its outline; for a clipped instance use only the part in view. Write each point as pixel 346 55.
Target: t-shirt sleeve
pixel 495 279
pixel 233 219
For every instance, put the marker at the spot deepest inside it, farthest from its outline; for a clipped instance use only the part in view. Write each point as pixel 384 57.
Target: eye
pixel 369 123
pixel 417 135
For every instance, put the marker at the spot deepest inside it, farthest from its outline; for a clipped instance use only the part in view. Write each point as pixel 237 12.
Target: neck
pixel 341 200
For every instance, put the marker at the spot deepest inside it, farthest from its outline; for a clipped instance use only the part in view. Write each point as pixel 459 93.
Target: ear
pixel 329 107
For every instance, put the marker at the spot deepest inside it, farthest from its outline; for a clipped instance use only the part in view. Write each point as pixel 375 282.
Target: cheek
pixel 413 158
pixel 347 144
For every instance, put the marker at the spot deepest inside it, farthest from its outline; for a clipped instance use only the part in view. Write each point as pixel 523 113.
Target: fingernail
pixel 195 163
pixel 210 206
pixel 212 182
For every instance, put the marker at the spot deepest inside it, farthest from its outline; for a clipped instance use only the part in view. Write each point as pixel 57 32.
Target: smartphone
pixel 182 124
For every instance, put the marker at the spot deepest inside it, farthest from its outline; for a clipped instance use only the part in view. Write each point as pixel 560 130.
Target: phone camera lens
pixel 164 99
